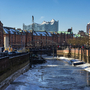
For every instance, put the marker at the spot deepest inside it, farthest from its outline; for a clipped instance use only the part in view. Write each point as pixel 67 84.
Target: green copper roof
pixel 77 35
pixel 64 32
pixel 59 32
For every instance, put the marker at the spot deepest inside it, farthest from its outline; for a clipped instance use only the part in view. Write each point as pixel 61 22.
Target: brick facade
pixel 18 41
pixel 19 38
pixel 1 34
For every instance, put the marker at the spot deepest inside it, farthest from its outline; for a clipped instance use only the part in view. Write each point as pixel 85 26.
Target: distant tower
pixel 32 28
pixel 32 23
pixel 88 27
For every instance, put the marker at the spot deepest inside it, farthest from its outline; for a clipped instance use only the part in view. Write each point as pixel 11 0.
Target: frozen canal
pixel 53 75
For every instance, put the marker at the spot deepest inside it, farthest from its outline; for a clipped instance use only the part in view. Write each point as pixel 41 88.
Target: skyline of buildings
pixel 47 26
pixel 69 13
pixel 22 38
pixel 50 24
pixel 18 38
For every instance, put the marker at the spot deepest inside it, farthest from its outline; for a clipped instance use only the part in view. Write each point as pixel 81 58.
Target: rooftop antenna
pixel 32 19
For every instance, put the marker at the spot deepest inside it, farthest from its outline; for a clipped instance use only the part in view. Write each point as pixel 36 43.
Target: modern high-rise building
pixel 88 27
pixel 44 26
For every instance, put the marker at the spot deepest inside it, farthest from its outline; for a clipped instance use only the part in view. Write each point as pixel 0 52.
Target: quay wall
pixel 9 65
pixel 82 54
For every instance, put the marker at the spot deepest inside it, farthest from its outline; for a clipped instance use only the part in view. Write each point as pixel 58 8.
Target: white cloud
pixel 41 17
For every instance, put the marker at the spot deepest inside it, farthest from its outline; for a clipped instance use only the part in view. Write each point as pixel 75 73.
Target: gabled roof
pixel 41 32
pixel 49 34
pixel 12 31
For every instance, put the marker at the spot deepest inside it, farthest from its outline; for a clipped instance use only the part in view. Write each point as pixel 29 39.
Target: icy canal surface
pixel 53 75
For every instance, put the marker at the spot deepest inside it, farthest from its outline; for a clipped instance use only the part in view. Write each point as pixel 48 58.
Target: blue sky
pixel 70 13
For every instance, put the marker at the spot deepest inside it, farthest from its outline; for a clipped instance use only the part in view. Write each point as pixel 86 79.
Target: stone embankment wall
pixel 9 65
pixel 82 54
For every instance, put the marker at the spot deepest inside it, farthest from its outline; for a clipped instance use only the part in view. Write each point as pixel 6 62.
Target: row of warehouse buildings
pixel 18 38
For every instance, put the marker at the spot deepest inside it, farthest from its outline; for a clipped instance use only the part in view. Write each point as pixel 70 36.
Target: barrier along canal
pixel 52 75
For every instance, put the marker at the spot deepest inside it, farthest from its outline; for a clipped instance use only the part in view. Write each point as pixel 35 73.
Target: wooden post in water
pixel 89 37
pixel 74 52
pixel 30 60
pixel 78 53
pixel 88 56
pixel 53 52
pixel 81 54
pixel 89 47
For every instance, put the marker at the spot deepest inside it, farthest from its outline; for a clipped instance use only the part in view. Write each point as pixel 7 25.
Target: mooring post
pixel 81 54
pixel 74 52
pixel 69 55
pixel 53 52
pixel 30 60
pixel 78 53
pixel 88 56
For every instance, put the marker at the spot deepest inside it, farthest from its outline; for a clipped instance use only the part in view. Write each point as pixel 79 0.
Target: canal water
pixel 52 75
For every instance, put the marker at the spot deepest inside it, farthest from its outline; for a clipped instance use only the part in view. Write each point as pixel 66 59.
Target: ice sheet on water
pixel 52 65
pixel 28 87
pixel 50 77
pixel 29 81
